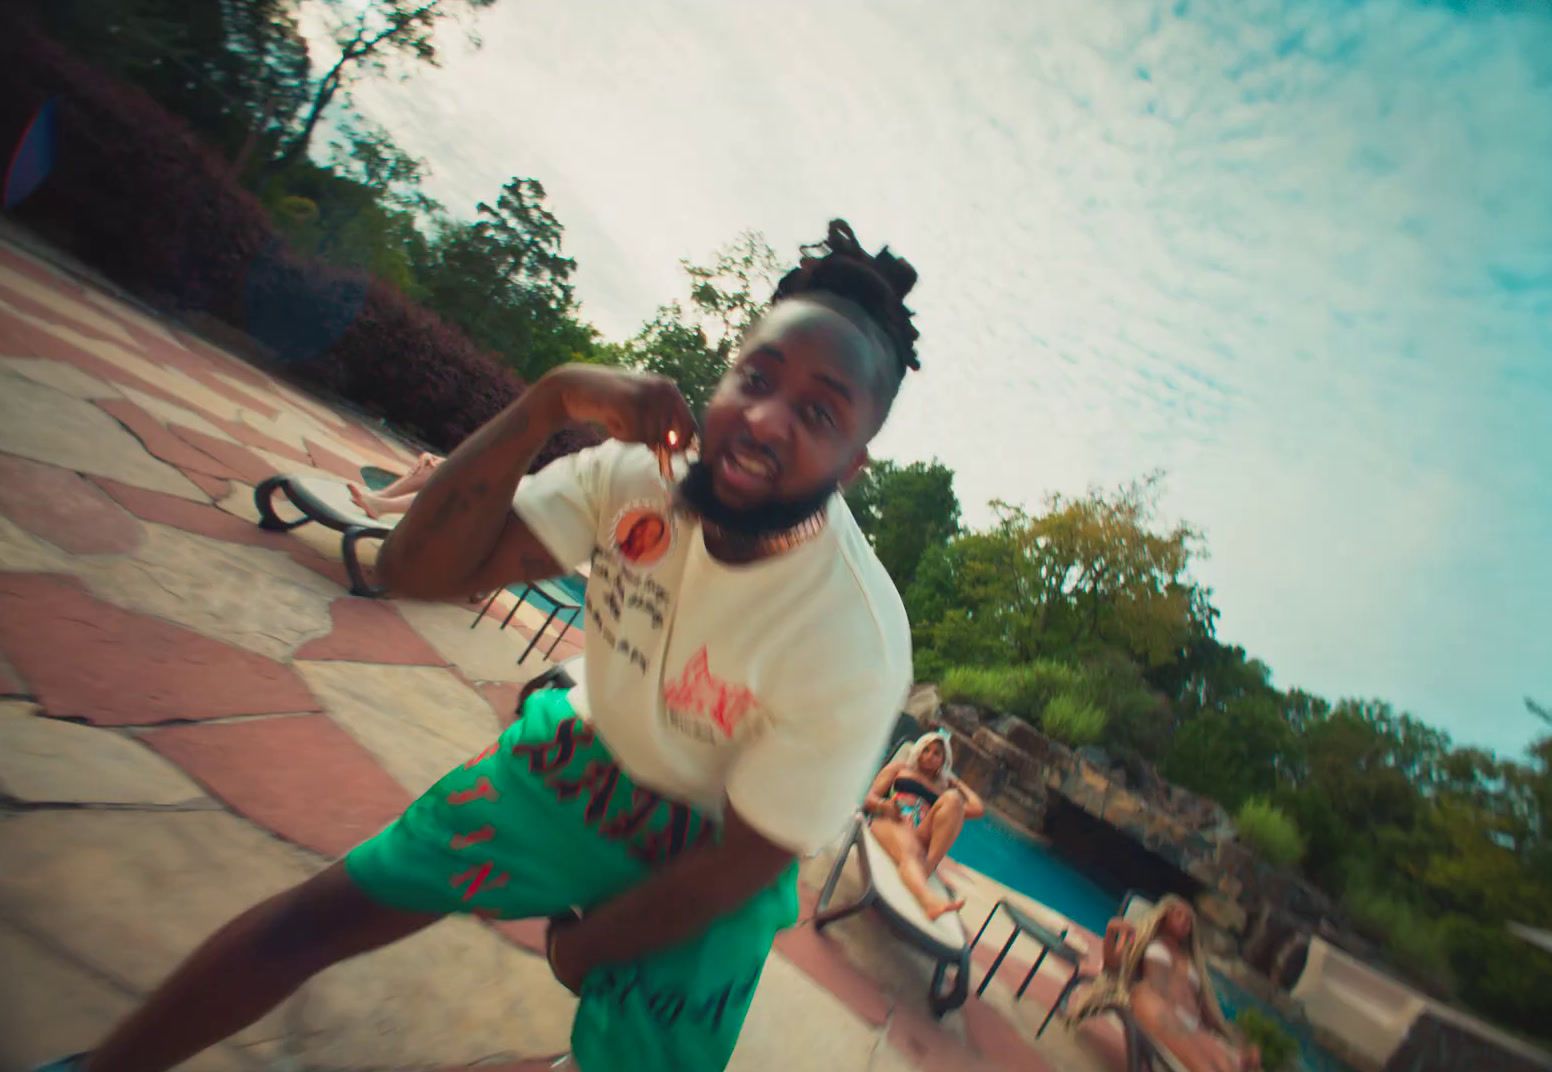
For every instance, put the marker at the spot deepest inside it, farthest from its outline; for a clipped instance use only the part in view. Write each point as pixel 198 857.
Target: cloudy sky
pixel 1297 255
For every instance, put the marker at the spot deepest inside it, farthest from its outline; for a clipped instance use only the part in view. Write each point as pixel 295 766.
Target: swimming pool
pixel 1021 863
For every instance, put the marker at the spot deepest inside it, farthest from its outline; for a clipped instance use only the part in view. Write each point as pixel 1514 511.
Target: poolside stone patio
pixel 196 714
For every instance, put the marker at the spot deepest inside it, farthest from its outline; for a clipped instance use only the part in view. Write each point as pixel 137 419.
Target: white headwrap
pixel 940 736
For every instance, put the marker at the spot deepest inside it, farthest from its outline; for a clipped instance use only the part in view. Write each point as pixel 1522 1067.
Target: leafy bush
pixel 991 687
pixel 1024 691
pixel 1073 720
pixel 1268 830
pixel 1279 1050
pixel 1417 942
pixel 134 193
pixel 1499 975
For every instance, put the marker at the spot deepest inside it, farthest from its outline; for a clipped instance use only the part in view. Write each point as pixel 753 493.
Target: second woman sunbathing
pixel 396 497
pixel 918 808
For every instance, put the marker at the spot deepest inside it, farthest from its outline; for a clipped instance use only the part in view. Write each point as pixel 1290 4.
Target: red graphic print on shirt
pixel 700 693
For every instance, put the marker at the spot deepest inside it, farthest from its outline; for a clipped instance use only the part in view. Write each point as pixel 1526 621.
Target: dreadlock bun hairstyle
pixel 875 284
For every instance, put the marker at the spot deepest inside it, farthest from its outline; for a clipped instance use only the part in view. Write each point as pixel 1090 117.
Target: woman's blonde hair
pixel 1114 989
pixel 940 737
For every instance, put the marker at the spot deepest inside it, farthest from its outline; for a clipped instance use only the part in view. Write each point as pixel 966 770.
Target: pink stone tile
pixel 332 568
pixel 201 519
pixel 205 520
pixel 216 358
pixel 250 436
pixel 922 1041
pixel 823 962
pixel 370 632
pixel 215 488
pixel 251 400
pixel 997 1040
pixel 33 308
pixel 302 777
pixel 525 933
pixel 160 442
pixel 24 340
pixel 88 659
pixel 248 466
pixel 65 509
pixel 502 697
pixel 330 462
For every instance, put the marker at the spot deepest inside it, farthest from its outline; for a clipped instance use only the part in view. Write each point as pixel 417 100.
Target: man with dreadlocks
pixel 745 659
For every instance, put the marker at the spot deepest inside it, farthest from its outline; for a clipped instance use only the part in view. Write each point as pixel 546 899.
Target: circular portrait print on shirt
pixel 643 536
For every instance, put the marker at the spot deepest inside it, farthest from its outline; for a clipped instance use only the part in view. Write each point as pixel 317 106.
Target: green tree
pixel 237 70
pixel 903 510
pixel 693 341
pixel 671 345
pixel 728 295
pixel 367 35
pixel 1233 753
pixel 504 279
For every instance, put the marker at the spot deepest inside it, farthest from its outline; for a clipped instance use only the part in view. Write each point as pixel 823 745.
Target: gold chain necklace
pixel 752 548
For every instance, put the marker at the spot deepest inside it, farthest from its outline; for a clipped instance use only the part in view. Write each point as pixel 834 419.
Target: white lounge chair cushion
pixel 336 496
pixel 947 928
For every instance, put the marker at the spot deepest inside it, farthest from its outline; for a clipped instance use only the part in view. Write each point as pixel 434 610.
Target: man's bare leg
pixel 248 967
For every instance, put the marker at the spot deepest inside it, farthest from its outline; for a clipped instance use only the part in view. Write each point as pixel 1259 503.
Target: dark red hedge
pixel 137 195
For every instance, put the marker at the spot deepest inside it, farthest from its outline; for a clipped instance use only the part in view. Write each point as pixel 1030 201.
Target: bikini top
pixel 906 784
pixel 1160 954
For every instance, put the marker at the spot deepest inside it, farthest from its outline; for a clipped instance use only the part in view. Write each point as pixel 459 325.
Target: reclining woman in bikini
pixel 396 497
pixel 1160 968
pixel 918 808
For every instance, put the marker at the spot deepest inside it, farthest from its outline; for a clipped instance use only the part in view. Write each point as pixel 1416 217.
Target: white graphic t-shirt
pixel 773 685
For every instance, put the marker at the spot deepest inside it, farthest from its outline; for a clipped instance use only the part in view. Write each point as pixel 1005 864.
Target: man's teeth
pixel 752 464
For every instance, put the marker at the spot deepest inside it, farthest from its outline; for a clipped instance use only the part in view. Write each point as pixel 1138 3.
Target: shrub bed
pixel 134 193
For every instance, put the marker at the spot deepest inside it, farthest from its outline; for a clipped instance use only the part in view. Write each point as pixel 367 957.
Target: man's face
pixel 793 416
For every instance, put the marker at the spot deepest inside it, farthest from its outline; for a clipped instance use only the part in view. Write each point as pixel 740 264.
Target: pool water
pixel 1037 871
pixel 1021 863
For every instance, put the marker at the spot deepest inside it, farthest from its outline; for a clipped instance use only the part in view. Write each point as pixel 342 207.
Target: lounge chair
pixel 1142 1051
pixel 327 502
pixel 559 600
pixel 943 939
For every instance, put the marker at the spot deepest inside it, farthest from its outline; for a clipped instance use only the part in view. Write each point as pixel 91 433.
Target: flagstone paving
pixel 199 715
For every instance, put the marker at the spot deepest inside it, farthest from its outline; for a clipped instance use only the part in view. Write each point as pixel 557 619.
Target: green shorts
pixel 543 821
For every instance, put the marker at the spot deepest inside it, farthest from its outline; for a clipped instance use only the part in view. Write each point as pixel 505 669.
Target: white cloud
pixel 1301 258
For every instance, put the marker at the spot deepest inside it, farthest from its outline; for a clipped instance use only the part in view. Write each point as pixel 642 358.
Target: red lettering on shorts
pixel 626 825
pixel 569 734
pixel 600 779
pixel 482 790
pixel 494 745
pixel 479 878
pixel 463 841
pixel 663 845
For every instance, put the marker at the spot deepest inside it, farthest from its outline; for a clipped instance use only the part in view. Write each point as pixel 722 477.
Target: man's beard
pixel 696 491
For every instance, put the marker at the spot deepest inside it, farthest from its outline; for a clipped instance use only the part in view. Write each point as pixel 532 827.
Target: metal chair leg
pixel 263 501
pixel 537 635
pixel 359 585
pixel 565 626
pixel 997 963
pixel 986 924
pixel 521 596
pixel 481 615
